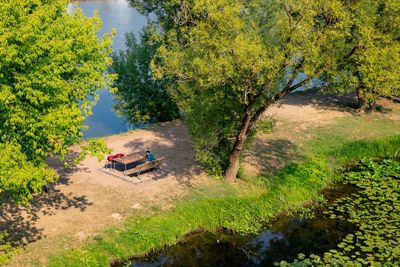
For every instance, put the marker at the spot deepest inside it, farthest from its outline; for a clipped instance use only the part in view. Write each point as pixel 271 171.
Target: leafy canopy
pixel 373 64
pixel 51 65
pixel 140 98
pixel 232 59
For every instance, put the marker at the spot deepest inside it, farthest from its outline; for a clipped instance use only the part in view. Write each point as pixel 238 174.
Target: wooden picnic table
pixel 131 158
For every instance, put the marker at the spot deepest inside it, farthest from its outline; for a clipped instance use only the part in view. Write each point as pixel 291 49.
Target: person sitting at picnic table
pixel 150 156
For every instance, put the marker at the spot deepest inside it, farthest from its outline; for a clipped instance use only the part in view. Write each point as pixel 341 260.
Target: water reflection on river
pixel 119 15
pixel 284 239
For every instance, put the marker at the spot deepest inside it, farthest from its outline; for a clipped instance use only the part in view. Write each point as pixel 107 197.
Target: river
pixel 119 15
pixel 282 240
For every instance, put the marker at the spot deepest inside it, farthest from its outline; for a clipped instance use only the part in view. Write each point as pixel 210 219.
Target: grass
pixel 289 188
pixel 248 205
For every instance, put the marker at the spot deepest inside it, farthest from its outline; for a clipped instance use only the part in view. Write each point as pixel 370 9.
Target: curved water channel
pixel 115 14
pixel 283 240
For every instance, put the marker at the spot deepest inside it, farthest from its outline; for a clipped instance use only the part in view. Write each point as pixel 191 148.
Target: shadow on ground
pixel 345 103
pixel 319 100
pixel 19 222
pixel 174 145
pixel 267 156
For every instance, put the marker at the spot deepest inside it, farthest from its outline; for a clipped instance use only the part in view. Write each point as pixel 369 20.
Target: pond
pixel 283 240
pixel 119 15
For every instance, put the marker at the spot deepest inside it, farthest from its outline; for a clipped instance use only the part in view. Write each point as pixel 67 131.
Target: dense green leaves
pixel 50 63
pixel 94 148
pixel 6 250
pixel 375 211
pixel 233 59
pixel 19 176
pixel 139 97
pixel 372 66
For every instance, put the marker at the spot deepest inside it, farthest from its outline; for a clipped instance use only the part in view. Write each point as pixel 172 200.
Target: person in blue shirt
pixel 150 156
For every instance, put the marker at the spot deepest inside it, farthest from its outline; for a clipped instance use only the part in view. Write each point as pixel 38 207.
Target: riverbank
pixel 283 170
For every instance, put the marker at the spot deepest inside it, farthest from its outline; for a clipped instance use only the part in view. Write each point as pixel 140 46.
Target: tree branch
pixel 285 91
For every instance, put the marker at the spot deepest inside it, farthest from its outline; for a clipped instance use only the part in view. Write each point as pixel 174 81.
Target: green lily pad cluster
pixel 375 211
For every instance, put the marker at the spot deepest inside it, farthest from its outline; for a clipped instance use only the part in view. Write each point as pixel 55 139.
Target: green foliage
pixel 139 97
pixel 6 249
pixel 51 65
pixel 371 68
pixel 265 126
pixel 233 59
pixel 213 208
pixel 374 210
pixel 163 10
pixel 19 177
pixel 94 148
pixel 211 129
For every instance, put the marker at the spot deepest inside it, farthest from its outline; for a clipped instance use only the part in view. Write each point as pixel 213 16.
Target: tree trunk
pixel 362 102
pixel 250 120
pixel 373 106
pixel 234 158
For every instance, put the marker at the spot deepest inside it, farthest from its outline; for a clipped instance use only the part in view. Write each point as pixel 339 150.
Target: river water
pixel 119 15
pixel 282 240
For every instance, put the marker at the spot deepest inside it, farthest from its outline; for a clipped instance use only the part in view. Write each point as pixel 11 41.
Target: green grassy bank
pixel 246 212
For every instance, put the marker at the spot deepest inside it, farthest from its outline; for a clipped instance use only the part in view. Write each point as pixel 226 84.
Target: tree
pixel 233 59
pixel 371 68
pixel 139 97
pixel 163 11
pixel 51 64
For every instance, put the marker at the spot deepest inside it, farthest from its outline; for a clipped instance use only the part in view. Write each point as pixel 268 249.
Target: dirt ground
pixel 88 199
pixel 299 112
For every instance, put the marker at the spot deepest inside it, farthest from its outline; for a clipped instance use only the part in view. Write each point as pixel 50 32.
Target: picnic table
pixel 142 164
pixel 130 158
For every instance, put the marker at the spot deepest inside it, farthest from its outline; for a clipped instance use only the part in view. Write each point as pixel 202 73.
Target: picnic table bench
pixel 130 158
pixel 148 165
pixel 142 163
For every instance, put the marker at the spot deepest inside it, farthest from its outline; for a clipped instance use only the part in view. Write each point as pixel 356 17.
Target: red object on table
pixel 112 157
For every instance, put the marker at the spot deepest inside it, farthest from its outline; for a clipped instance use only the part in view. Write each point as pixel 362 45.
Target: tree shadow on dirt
pixel 267 156
pixel 20 222
pixel 344 103
pixel 174 145
pixel 319 100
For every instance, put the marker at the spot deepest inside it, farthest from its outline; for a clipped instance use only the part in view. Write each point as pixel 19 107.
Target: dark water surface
pixel 119 15
pixel 284 240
